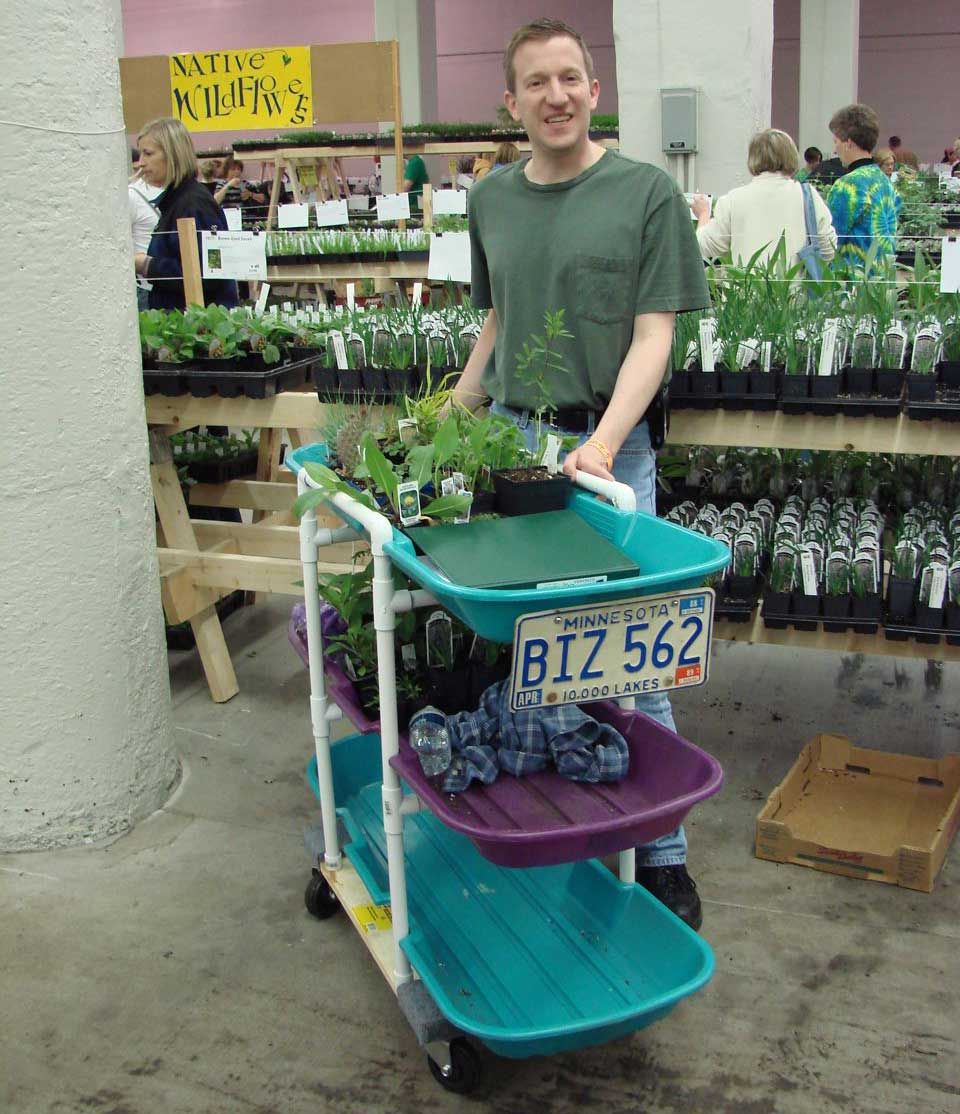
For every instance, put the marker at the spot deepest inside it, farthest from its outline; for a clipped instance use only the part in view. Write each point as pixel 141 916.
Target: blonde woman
pixel 886 160
pixel 168 161
pixel 771 205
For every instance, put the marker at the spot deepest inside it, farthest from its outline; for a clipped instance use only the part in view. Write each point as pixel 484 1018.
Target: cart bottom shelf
pixel 531 962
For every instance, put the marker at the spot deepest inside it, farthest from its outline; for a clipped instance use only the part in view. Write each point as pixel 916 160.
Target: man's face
pixel 554 97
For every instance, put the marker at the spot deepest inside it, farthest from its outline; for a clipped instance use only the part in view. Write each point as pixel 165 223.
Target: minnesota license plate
pixel 606 651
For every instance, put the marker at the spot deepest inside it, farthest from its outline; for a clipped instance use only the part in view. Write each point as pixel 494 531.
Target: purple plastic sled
pixel 545 819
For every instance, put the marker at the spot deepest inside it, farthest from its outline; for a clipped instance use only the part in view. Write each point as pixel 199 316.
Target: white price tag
pixel 262 297
pixel 449 203
pixel 417 296
pixel 950 263
pixel 351 295
pixel 234 219
pixel 332 213
pixel 809 572
pixel 828 347
pixel 339 349
pixel 449 257
pixel 551 454
pixel 233 255
pixel 766 350
pixel 393 206
pixel 707 326
pixel 938 585
pixel 293 216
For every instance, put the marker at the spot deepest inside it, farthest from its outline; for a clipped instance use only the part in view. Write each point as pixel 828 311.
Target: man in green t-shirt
pixel 610 241
pixel 414 176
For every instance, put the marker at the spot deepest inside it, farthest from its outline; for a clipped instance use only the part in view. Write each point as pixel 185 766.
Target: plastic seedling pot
pixel 921 388
pixel 530 490
pixel 776 609
pixel 836 610
pixel 374 381
pixel 484 502
pixel 860 381
pixel 741 587
pixel 704 386
pixel 889 382
pixel 350 381
pixel 952 623
pixel 900 594
pixel 805 610
pixel 866 610
pixel 403 382
pixel 326 381
pixel 679 384
pixel 950 373
pixel 824 386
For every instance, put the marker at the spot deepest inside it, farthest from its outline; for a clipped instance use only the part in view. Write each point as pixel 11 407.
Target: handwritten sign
pixel 225 89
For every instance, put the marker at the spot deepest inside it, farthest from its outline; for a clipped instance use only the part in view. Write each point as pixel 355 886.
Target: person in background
pixel 863 203
pixel 812 159
pixel 885 159
pixel 168 163
pixel 754 217
pixel 208 175
pixel 415 177
pixel 464 172
pixel 505 154
pixel 482 165
pixel 235 193
pixel 902 155
pixel 374 181
pixel 143 220
pixel 609 240
pixel 954 154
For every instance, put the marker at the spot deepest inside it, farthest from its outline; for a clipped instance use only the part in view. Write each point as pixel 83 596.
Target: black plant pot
pixel 776 609
pixel 484 502
pixel 374 381
pixel 350 381
pixel 805 610
pixel 482 676
pixel 889 382
pixel 900 595
pixel 327 382
pixel 678 388
pixel 921 388
pixel 763 385
pixel 741 587
pixel 860 381
pixel 795 393
pixel 704 387
pixel 518 495
pixel 448 690
pixel 824 386
pixel 949 373
pixel 952 624
pixel 930 618
pixel 368 695
pixel 836 609
pixel 403 382
pixel 866 610
pixel 733 388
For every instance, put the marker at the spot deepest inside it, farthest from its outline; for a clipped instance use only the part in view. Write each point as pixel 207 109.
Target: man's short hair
pixel 539 31
pixel 772 150
pixel 894 141
pixel 858 123
pixel 812 153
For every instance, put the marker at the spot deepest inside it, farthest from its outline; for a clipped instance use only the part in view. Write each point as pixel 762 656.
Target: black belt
pixel 657 415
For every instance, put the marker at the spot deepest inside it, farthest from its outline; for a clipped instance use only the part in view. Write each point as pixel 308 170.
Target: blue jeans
pixel 636 466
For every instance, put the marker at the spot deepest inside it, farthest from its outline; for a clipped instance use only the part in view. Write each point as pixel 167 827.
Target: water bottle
pixel 430 739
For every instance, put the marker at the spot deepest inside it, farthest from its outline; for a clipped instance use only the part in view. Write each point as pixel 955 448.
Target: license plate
pixel 607 651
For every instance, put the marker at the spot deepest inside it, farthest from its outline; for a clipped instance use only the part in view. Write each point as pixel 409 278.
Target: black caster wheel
pixel 463 1075
pixel 319 898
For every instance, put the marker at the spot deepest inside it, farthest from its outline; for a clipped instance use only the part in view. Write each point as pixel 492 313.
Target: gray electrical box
pixel 678 121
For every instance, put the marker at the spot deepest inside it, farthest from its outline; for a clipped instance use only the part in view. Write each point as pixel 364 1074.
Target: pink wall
pixel 908 56
pixel 471 37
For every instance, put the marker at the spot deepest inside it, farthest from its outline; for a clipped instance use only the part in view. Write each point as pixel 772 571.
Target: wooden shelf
pixel 774 430
pixel 327 272
pixel 755 633
pixel 368 150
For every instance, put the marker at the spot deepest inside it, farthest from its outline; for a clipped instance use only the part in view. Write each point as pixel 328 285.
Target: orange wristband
pixel 602 449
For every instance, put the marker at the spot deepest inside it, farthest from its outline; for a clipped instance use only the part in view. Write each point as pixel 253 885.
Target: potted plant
pixel 901 587
pixel 865 604
pixel 836 599
pixel 777 598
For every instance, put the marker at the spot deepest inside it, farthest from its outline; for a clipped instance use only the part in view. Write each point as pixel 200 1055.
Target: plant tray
pixel 545 819
pixel 854 406
pixel 251 384
pixel 164 381
pixel 220 471
pixel 488 942
pixel 669 557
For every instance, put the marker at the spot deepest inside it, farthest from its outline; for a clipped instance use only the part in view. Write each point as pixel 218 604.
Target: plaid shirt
pixel 526 742
pixel 863 205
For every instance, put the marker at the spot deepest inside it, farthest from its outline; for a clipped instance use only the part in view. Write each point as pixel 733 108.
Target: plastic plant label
pixel 707 335
pixel 439 640
pixel 447 486
pixel 234 219
pixel 416 298
pixel 459 482
pixel 296 215
pixel 393 206
pixel 464 516
pixel 766 355
pixel 408 500
pixel 351 295
pixel 408 655
pixel 747 351
pixel 551 454
pixel 950 259
pixel 828 347
pixel 339 349
pixel 262 298
pixel 373 918
pixel 331 214
pixel 808 573
pixel 407 429
pixel 938 584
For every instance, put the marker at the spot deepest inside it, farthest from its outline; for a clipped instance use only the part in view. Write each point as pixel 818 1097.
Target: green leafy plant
pixel 540 360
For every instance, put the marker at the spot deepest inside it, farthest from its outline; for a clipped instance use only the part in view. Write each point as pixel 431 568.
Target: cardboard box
pixel 863 813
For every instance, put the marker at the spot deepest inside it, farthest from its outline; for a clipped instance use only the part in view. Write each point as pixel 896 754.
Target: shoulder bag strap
pixel 809 215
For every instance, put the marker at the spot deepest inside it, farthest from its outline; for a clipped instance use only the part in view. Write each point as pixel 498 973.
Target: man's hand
pixel 701 208
pixel 586 458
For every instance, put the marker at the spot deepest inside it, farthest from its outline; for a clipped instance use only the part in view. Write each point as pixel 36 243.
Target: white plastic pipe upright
pixel 318 691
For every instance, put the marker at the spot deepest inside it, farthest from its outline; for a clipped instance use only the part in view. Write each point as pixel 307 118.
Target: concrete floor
pixel 177 971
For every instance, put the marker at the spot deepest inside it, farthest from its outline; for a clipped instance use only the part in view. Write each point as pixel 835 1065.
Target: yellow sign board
pixel 227 90
pixel 308 175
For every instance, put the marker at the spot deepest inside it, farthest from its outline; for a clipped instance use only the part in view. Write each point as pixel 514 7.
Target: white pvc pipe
pixel 628 865
pixel 624 498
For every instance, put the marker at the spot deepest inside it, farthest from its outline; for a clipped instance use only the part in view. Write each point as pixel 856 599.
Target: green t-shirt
pixel 416 171
pixel 613 242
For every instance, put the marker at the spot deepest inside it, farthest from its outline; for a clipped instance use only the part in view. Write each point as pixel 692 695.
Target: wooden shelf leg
pixel 178 533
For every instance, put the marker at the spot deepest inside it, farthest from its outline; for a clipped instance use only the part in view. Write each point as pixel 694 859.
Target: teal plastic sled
pixel 530 962
pixel 670 557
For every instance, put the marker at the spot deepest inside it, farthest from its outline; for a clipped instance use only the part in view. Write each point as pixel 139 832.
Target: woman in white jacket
pixel 771 205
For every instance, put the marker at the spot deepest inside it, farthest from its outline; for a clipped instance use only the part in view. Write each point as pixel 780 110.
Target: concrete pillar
pixel 413 24
pixel 724 49
pixel 829 66
pixel 85 748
